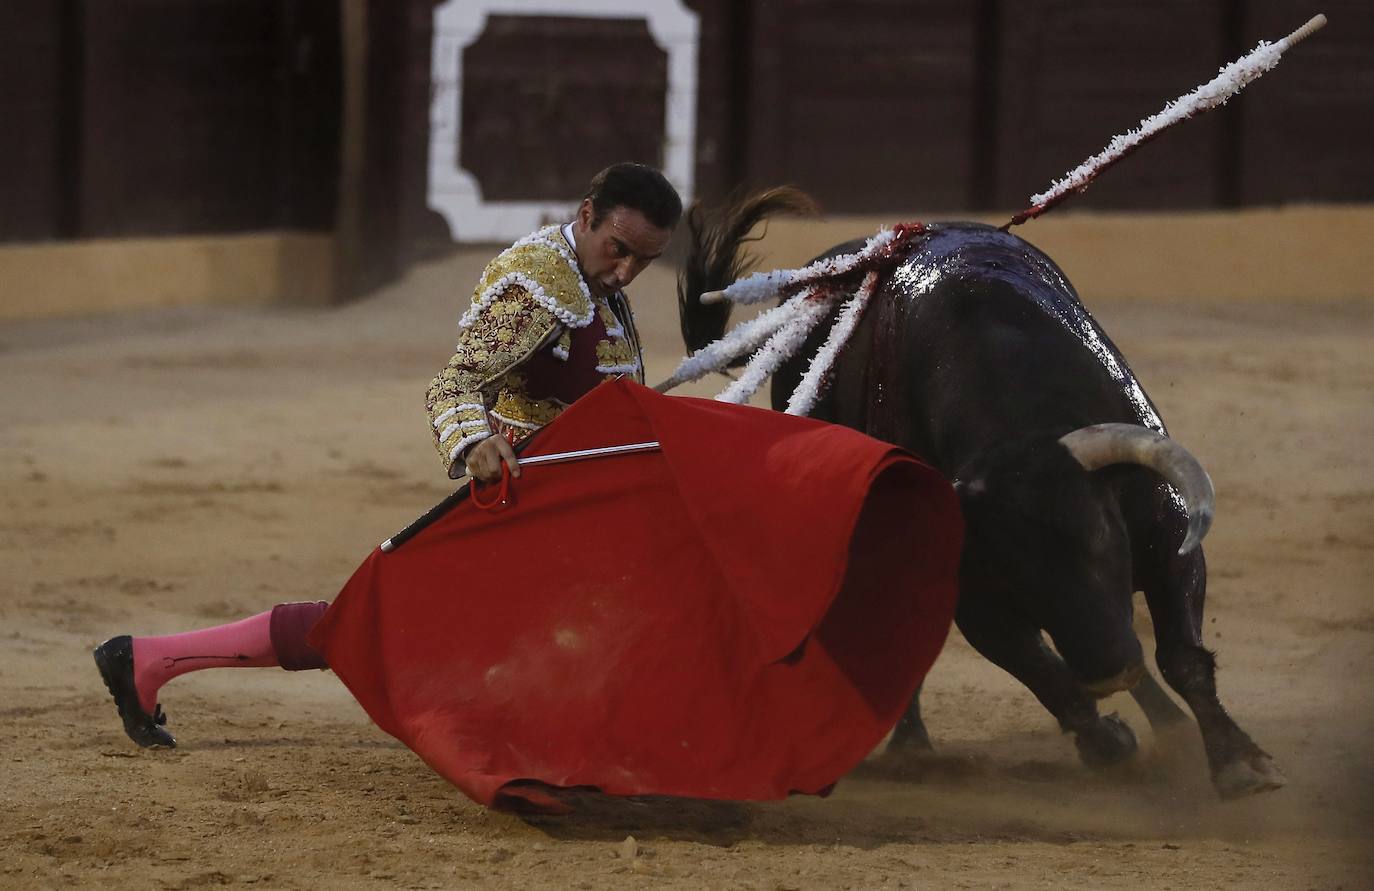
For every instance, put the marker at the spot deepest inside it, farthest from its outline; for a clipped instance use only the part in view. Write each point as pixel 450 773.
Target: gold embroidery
pixel 531 293
pixel 615 351
pixel 517 409
pixel 608 317
pixel 512 327
pixel 542 271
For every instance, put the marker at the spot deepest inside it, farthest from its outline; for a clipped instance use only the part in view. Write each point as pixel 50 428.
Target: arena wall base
pixel 97 276
pixel 1298 253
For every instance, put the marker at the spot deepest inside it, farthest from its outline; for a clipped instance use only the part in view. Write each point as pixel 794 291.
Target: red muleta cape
pixel 741 615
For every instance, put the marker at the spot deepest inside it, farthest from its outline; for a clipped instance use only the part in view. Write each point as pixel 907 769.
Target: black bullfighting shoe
pixel 115 659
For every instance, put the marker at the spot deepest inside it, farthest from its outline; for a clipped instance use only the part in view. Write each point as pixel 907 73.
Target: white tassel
pixel 804 397
pixel 780 347
pixel 1232 79
pixel 743 338
pixel 779 333
pixel 764 285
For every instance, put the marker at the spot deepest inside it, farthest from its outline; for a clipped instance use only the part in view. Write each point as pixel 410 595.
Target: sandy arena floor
pixel 177 469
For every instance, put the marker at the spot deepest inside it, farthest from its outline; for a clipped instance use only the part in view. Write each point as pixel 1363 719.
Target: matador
pixel 549 321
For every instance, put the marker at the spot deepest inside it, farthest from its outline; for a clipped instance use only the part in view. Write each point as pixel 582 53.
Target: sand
pixel 175 469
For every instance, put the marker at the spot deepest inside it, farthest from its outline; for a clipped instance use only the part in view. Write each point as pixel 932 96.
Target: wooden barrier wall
pixel 162 117
pixel 895 105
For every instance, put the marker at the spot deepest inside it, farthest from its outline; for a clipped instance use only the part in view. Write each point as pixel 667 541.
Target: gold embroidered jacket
pixel 531 311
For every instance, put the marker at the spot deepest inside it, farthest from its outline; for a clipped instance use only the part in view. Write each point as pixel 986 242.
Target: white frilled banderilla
pixel 808 296
pixel 1229 81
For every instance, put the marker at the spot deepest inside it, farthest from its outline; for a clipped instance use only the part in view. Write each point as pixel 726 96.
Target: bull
pixel 977 354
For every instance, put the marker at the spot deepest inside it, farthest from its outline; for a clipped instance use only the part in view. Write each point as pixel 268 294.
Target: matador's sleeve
pixel 526 296
pixel 511 329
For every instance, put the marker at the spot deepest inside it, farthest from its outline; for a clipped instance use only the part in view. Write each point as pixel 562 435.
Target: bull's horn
pixel 709 297
pixel 1103 444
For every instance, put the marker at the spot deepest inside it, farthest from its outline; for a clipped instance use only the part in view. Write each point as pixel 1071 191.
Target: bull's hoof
pixel 909 740
pixel 1248 776
pixel 904 761
pixel 1109 741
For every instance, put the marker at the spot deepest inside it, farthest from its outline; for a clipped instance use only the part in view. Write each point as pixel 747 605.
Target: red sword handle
pixel 502 491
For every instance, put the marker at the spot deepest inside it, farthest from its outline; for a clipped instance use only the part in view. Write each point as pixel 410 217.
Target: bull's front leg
pixel 1239 767
pixel 1019 649
pixel 1175 593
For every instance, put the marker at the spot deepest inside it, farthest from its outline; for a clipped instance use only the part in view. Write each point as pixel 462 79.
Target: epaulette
pixel 543 265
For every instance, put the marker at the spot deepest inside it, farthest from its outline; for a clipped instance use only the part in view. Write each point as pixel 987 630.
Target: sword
pixel 444 506
pixel 583 454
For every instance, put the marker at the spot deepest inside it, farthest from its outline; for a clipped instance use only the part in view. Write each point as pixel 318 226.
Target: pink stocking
pixel 276 637
pixel 243 644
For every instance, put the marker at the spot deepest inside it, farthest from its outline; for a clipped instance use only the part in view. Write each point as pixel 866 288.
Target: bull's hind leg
pixel 1161 711
pixel 1174 592
pixel 1020 649
pixel 910 737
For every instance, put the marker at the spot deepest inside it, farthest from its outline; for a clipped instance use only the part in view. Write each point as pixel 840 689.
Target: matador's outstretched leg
pixel 135 668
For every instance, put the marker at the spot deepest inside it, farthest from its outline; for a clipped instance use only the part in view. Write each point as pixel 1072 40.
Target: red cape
pixel 741 615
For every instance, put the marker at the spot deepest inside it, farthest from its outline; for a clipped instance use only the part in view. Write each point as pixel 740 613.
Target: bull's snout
pixel 1123 680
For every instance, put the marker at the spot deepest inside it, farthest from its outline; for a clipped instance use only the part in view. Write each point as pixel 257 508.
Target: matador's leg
pixel 135 668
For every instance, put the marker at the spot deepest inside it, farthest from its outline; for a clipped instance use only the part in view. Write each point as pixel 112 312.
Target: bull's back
pixel 978 336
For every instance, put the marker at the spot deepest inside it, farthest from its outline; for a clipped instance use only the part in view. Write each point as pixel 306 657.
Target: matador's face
pixel 616 249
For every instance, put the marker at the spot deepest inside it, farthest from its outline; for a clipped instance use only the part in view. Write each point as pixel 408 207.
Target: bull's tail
pixel 715 257
pixel 1104 444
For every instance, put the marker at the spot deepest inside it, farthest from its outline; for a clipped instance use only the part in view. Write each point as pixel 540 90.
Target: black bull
pixel 977 354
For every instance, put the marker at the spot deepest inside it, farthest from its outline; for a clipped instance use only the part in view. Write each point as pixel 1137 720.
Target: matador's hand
pixel 484 459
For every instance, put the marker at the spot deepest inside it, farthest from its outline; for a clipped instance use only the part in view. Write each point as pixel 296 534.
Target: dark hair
pixel 638 187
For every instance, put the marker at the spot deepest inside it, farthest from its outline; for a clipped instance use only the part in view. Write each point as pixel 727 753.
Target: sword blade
pixel 444 506
pixel 583 454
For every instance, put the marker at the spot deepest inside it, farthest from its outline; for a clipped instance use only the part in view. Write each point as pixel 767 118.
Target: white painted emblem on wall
pixel 456 193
